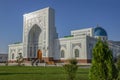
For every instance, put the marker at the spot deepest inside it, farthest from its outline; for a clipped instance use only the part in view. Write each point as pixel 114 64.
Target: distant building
pixel 115 47
pixel 3 58
pixel 40 40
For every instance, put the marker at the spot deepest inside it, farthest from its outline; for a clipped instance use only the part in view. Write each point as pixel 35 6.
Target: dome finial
pixel 98 25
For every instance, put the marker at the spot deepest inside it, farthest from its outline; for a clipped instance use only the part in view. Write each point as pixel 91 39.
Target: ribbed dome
pixel 98 31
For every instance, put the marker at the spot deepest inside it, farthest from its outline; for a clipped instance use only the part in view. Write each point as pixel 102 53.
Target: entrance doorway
pixel 39 55
pixel 34 37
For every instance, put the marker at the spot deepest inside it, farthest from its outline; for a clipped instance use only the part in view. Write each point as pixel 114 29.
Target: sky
pixel 69 15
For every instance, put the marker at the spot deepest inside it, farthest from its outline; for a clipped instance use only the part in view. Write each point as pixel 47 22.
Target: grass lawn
pixel 38 73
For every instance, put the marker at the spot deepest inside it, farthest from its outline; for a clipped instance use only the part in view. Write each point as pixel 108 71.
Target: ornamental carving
pixel 63 45
pixel 76 44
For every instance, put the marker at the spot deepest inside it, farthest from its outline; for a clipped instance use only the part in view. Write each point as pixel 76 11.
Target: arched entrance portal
pixel 34 41
pixel 39 55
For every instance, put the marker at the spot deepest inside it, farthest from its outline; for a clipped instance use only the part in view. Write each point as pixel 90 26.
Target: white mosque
pixel 40 40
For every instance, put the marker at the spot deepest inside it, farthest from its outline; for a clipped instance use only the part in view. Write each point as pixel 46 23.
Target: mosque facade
pixel 40 40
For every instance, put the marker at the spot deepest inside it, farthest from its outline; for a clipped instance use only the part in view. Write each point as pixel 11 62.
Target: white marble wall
pixel 81 32
pixel 44 19
pixel 69 45
pixel 15 49
pixel 90 41
pixel 115 48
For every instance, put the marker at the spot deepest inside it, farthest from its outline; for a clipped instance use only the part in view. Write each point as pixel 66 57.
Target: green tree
pixel 19 59
pixel 118 62
pixel 102 67
pixel 118 65
pixel 71 69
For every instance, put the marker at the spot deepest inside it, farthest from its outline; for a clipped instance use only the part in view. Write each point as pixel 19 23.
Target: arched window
pixel 76 53
pixel 35 51
pixel 30 51
pixel 62 53
pixel 13 56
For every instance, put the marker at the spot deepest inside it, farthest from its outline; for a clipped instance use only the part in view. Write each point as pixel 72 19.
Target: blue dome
pixel 98 31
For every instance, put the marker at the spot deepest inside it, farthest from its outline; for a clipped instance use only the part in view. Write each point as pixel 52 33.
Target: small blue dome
pixel 98 31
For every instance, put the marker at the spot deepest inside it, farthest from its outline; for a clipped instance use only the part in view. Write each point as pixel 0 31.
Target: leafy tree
pixel 19 59
pixel 118 65
pixel 102 67
pixel 118 62
pixel 71 69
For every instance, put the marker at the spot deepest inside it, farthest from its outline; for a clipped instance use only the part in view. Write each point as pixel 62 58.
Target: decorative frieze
pixel 63 45
pixel 76 44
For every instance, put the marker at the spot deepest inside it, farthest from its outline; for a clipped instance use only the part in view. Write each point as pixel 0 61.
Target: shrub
pixel 71 69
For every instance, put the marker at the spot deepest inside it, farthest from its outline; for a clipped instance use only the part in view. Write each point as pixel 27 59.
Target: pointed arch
pixel 62 54
pixel 76 53
pixel 34 37
pixel 13 55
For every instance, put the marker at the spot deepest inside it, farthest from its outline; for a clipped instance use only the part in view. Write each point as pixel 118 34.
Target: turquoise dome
pixel 98 31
